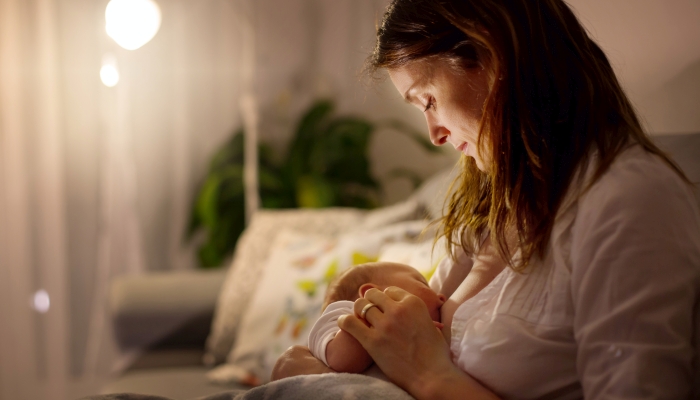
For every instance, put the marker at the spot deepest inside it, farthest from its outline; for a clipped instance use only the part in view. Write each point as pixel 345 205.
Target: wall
pixel 655 48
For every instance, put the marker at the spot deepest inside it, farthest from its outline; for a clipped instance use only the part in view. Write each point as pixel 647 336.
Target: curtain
pixel 96 182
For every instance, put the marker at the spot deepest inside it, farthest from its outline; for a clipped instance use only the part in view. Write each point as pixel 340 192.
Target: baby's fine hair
pixel 347 285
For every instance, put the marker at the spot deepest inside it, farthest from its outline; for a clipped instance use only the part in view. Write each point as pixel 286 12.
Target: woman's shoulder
pixel 638 179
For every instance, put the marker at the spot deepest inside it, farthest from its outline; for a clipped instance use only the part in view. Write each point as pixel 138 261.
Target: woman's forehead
pixel 412 77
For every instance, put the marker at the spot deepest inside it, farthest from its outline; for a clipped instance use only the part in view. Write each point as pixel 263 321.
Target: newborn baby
pixel 338 349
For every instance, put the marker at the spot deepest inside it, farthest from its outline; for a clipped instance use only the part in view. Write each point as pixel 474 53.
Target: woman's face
pixel 452 102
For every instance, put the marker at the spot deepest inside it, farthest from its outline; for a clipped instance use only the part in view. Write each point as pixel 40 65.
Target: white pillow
pixel 250 258
pixel 290 293
pixel 285 304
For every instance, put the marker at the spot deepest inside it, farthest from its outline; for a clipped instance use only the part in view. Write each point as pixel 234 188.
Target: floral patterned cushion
pixel 290 293
pixel 249 260
pixel 254 247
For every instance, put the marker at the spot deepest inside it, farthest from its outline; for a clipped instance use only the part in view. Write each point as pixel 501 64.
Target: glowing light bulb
pixel 109 74
pixel 132 23
pixel 41 302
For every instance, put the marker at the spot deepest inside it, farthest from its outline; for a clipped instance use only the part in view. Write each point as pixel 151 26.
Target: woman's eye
pixel 431 104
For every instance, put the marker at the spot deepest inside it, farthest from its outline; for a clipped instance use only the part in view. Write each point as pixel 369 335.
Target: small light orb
pixel 109 75
pixel 41 301
pixel 132 23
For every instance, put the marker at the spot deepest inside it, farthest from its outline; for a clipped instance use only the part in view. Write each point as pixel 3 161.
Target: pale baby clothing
pixel 608 313
pixel 325 329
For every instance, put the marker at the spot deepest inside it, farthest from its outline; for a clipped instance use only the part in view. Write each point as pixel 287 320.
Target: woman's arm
pixel 636 283
pixel 403 341
pixel 298 360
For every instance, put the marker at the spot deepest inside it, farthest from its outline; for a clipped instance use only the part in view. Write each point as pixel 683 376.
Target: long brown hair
pixel 553 97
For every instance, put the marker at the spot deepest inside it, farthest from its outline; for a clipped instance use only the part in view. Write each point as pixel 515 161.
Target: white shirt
pixel 611 312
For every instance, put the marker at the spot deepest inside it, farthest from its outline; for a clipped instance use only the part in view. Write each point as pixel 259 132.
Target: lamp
pixel 132 23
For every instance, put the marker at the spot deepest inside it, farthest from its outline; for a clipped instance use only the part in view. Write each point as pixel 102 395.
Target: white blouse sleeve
pixel 450 273
pixel 636 283
pixel 326 327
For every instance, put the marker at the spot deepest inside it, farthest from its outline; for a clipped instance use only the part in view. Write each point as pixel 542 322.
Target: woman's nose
pixel 438 133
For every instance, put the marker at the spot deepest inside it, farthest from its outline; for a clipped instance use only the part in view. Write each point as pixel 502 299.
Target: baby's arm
pixel 345 354
pixel 336 348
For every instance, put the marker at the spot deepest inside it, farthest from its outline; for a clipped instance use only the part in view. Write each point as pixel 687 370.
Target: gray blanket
pixel 306 387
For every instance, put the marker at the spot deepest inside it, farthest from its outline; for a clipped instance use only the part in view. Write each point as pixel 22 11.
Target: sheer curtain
pixel 33 250
pixel 96 182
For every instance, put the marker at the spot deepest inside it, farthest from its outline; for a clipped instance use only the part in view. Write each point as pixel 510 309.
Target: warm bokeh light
pixel 41 301
pixel 132 23
pixel 109 75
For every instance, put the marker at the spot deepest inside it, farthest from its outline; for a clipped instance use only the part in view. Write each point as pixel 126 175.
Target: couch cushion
pixel 249 260
pixel 289 296
pixel 164 307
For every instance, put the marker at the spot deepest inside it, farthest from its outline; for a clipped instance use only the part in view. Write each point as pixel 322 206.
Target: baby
pixel 338 349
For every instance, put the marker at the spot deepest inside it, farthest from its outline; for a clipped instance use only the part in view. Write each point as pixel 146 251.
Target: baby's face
pixel 410 280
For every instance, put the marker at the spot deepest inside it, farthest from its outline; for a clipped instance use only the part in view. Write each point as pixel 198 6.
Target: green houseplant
pixel 326 165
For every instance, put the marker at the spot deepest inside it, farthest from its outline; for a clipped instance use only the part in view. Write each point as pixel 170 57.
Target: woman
pixel 599 229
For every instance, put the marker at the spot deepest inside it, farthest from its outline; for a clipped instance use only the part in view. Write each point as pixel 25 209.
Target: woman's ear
pixel 365 287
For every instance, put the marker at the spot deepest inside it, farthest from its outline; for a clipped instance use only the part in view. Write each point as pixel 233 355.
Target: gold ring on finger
pixel 365 309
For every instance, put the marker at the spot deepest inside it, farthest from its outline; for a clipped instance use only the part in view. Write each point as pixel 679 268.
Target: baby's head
pixel 353 283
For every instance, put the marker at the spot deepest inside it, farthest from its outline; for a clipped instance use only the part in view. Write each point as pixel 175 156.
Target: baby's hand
pixel 438 325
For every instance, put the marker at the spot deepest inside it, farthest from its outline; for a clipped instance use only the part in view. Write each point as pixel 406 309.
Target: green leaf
pixel 230 153
pixel 209 256
pixel 193 224
pixel 306 134
pixel 207 209
pixel 315 192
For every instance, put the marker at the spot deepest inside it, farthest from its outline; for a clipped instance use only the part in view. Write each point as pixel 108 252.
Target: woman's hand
pixel 403 341
pixel 298 360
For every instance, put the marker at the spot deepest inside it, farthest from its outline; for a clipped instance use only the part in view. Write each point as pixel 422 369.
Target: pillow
pixel 253 248
pixel 249 260
pixel 290 294
pixel 287 300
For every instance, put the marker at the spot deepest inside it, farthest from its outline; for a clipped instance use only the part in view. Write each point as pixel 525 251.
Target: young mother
pixel 599 229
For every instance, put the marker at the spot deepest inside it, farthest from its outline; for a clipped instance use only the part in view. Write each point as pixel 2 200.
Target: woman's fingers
pixel 390 294
pixel 355 326
pixel 399 335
